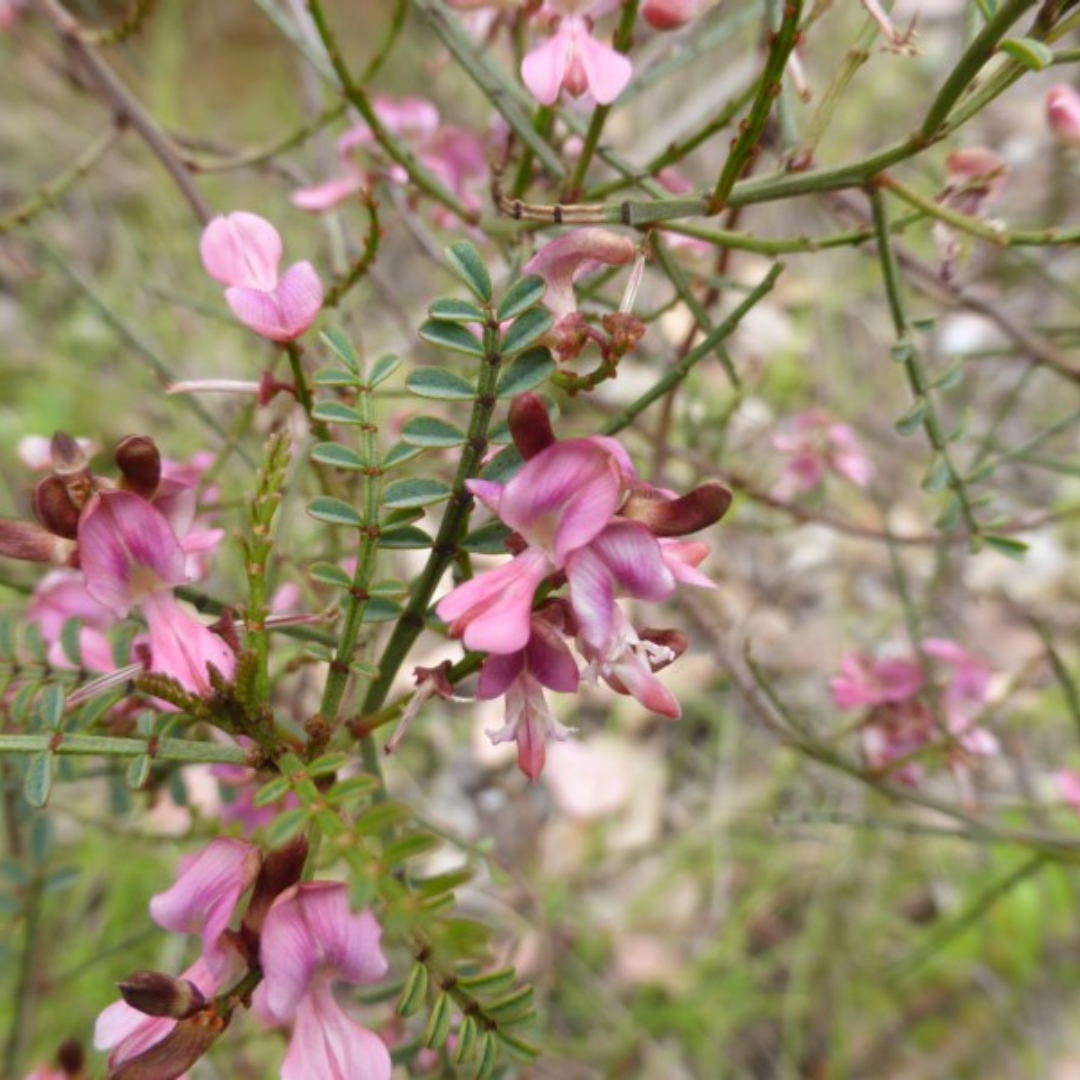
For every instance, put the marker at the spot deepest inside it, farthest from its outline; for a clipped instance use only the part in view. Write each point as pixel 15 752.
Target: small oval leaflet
pixel 340 457
pixel 334 512
pixel 525 293
pixel 453 336
pixel 467 264
pixel 526 330
pixel 440 384
pixel 336 412
pixel 414 491
pixel 453 309
pixel 430 431
pixel 526 372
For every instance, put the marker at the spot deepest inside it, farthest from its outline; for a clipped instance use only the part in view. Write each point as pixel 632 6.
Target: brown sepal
pixel 28 542
pixel 54 509
pixel 699 509
pixel 177 1052
pixel 530 425
pixel 157 994
pixel 281 868
pixel 139 461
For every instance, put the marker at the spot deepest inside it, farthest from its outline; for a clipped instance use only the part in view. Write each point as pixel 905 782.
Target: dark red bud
pixel 177 1052
pixel 68 456
pixel 530 425
pixel 702 507
pixel 281 868
pixel 31 543
pixel 139 461
pixel 158 994
pixel 54 509
pixel 71 1058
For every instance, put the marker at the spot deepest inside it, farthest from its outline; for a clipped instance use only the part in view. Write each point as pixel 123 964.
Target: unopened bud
pixel 669 14
pixel 158 994
pixel 530 425
pixel 54 509
pixel 71 1058
pixel 280 869
pixel 29 542
pixel 139 460
pixel 68 457
pixel 1063 114
pixel 699 509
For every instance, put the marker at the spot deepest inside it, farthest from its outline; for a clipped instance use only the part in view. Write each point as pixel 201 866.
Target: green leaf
pixel 440 385
pixel 285 826
pixel 335 512
pixel 466 1040
pixel 378 609
pixel 937 479
pixel 330 574
pixel 414 491
pixel 398 519
pixel 448 335
pixel 951 378
pixel 38 780
pixel 409 847
pixel 912 420
pixel 51 706
pixel 34 643
pixel 430 431
pixel 525 293
pixel 519 1048
pixel 382 369
pixel 271 792
pixel 949 518
pixel 466 262
pixel 336 341
pixel 1031 53
pixel 327 764
pixel 491 982
pixel 138 772
pixel 389 588
pixel 489 539
pixel 1007 545
pixel 514 1004
pixel 69 641
pixel 399 453
pixel 336 377
pixel 452 309
pixel 336 412
pixel 405 539
pixel 503 465
pixel 526 372
pixel 340 457
pixel 414 993
pixel 438 1025
pixel 383 816
pixel 354 787
pixel 487 1056
pixel 527 330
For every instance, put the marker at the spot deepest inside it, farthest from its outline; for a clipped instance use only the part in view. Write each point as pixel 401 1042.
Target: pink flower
pixel 573 59
pixel 309 939
pixel 1063 113
pixel 563 260
pixel 819 445
pixel 126 1033
pixel 521 677
pixel 130 556
pixel 865 682
pixel 203 898
pixel 964 695
pixel 670 14
pixel 10 11
pixel 1068 785
pixel 243 252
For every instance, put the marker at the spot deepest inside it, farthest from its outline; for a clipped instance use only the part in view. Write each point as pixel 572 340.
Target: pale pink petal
pixel 322 197
pixel 492 611
pixel 544 69
pixel 487 491
pixel 61 595
pixel 327 1045
pixel 682 558
pixel 241 250
pixel 565 258
pixel 633 556
pixel 284 314
pixel 592 596
pixel 127 550
pixel 1063 113
pixel 1068 785
pixel 634 673
pixel 205 895
pixel 181 646
pixel 607 72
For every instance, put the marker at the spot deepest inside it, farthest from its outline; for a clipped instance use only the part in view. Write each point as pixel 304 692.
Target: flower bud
pixel 71 1058
pixel 697 510
pixel 1063 114
pixel 158 994
pixel 530 425
pixel 68 457
pixel 139 461
pixel 177 1052
pixel 669 14
pixel 54 509
pixel 280 869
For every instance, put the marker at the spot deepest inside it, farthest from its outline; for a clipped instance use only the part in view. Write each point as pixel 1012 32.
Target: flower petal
pixel 182 647
pixel 544 69
pixel 322 197
pixel 241 250
pixel 633 555
pixel 607 72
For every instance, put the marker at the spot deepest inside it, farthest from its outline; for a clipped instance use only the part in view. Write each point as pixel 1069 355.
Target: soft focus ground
pixel 691 899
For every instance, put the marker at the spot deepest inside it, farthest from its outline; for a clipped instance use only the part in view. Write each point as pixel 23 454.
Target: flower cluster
pixel 581 517
pixel 124 544
pixel 899 725
pixel 301 938
pixel 816 445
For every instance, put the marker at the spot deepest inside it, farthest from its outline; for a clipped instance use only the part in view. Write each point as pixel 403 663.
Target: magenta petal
pixel 241 250
pixel 127 550
pixel 323 197
pixel 592 596
pixel 349 943
pixel 498 672
pixel 487 491
pixel 206 893
pixel 550 660
pixel 563 497
pixel 492 611
pixel 606 71
pixel 327 1045
pixel 633 555
pixel 562 260
pixel 182 647
pixel 544 69
pixel 638 678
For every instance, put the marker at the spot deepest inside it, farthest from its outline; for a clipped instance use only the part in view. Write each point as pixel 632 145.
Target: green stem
pixel 183 750
pixel 781 45
pixel 683 368
pixel 363 263
pixel 23 991
pixel 451 529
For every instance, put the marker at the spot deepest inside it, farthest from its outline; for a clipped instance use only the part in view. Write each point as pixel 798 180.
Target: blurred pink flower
pixel 670 14
pixel 574 59
pixel 1063 113
pixel 1068 785
pixel 10 11
pixel 974 180
pixel 204 896
pixel 818 445
pixel 243 252
pixel 865 682
pixel 309 940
